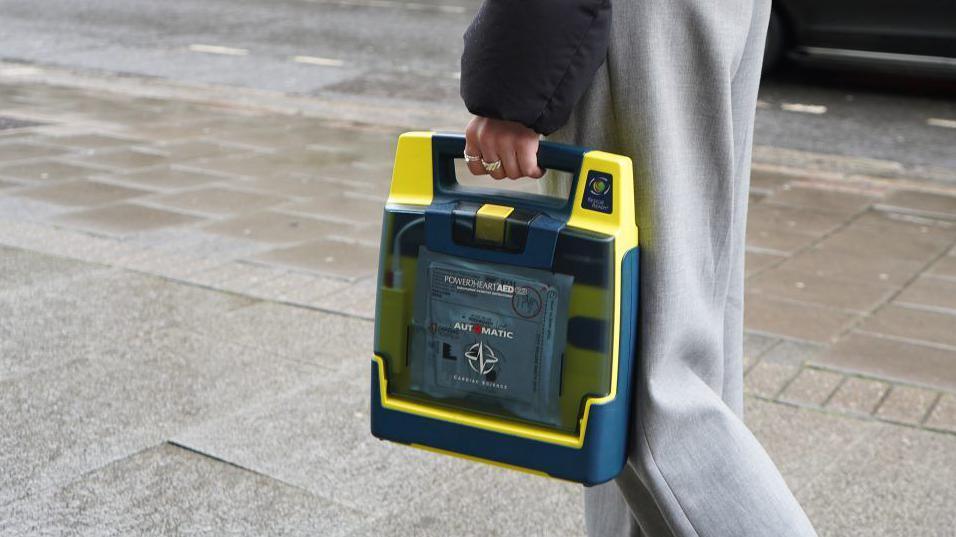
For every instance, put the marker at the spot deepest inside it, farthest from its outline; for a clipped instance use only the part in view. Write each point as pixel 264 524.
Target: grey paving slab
pixel 375 138
pixel 858 396
pixel 61 242
pixel 186 150
pixel 893 360
pixel 369 235
pixel 767 180
pixel 895 225
pixel 236 277
pixel 281 163
pixel 793 219
pixel 928 204
pixel 165 178
pixel 125 219
pixel 198 128
pixel 890 238
pixel 930 292
pixel 900 483
pixel 820 199
pixel 318 439
pixel 92 140
pixel 14 151
pixel 807 322
pixel 168 490
pixel 47 170
pixel 491 502
pixel 777 241
pixel 298 333
pixel 363 174
pixel 216 201
pixel 24 268
pixel 96 408
pixel 296 287
pixel 335 258
pixel 802 442
pixel 102 303
pixel 793 352
pixel 13 208
pixel 122 159
pixel 812 386
pixel 944 267
pixel 180 268
pixel 302 185
pixel 26 135
pixel 274 227
pixel 757 261
pixel 196 243
pixel 42 326
pixel 267 136
pixel 873 266
pixel 755 345
pixel 767 379
pixel 906 404
pixel 81 193
pixel 374 190
pixel 357 299
pixel 912 324
pixel 341 207
pixel 807 287
pixel 943 415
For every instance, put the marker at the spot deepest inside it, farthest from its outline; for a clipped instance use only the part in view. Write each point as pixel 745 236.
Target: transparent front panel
pixel 522 344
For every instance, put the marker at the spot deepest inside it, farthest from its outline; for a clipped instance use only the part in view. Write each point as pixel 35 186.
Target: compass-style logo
pixel 481 358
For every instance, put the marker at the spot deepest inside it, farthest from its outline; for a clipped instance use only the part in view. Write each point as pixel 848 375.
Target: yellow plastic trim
pixel 490 222
pixel 620 224
pixel 412 173
pixel 472 419
pixel 485 461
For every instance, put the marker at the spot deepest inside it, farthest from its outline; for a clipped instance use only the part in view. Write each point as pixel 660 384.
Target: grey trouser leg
pixel 677 94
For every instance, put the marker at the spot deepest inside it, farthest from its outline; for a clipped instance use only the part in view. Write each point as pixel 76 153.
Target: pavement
pixel 186 295
pixel 394 53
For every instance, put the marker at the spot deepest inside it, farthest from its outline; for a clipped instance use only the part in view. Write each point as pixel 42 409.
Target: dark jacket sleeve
pixel 531 60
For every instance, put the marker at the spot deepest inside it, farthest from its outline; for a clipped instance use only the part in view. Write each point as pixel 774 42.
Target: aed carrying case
pixel 505 321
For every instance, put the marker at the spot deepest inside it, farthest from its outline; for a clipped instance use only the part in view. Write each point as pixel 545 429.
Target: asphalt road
pixel 400 51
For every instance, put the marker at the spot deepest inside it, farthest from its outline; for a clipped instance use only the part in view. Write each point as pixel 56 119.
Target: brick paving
pixel 851 281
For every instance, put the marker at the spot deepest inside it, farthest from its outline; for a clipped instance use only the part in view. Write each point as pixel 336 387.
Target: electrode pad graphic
pixel 505 321
pixel 492 334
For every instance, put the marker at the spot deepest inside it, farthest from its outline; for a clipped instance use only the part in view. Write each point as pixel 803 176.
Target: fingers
pixel 490 154
pixel 509 160
pixel 472 148
pixel 488 138
pixel 527 154
pixel 515 145
pixel 475 166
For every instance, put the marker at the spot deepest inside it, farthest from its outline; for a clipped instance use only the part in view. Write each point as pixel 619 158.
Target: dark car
pixel 916 36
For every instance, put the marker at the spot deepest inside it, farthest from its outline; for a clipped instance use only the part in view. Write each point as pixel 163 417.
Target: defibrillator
pixel 505 321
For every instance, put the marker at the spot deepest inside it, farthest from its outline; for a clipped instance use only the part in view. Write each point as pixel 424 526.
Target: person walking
pixel 673 85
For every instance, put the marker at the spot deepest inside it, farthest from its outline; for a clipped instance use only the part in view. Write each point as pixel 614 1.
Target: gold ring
pixel 471 158
pixel 491 166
